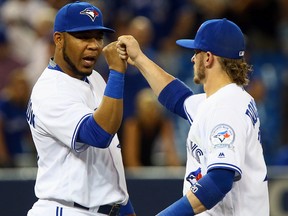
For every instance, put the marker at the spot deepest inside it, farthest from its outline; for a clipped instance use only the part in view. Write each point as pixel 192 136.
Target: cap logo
pixel 91 13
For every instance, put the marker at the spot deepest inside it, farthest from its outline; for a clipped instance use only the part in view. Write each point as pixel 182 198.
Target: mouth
pixel 89 61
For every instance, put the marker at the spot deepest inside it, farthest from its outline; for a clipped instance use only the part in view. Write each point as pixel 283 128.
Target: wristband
pixel 115 85
pixel 207 192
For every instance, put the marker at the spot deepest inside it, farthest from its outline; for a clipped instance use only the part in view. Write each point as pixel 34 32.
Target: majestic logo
pixel 91 13
pixel 221 155
pixel 222 136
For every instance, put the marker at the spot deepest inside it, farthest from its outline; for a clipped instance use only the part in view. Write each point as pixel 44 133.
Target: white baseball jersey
pixel 225 133
pixel 68 170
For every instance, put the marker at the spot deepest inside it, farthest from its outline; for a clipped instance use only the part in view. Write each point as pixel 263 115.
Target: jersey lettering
pixel 29 114
pixel 252 112
pixel 196 152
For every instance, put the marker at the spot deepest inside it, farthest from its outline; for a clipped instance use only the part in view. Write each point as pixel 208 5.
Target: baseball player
pixel 225 171
pixel 74 117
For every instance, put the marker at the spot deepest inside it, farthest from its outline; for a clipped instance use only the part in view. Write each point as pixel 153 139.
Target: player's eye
pixel 88 35
pixel 196 51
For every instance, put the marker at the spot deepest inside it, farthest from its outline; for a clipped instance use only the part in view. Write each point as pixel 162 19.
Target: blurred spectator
pixel 56 4
pixel 210 9
pixel 161 13
pixel 8 62
pixel 258 19
pixel 15 138
pixel 19 16
pixel 267 85
pixel 282 27
pixel 141 28
pixel 43 47
pixel 148 136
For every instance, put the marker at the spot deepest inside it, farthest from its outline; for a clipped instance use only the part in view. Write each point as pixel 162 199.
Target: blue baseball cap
pixel 79 16
pixel 218 36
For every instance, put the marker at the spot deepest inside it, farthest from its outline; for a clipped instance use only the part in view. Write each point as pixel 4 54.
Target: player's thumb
pixel 130 61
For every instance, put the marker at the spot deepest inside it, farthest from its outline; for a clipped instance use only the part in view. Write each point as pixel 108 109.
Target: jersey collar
pixel 53 66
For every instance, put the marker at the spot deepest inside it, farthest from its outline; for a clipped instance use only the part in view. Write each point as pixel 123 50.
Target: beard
pixel 72 65
pixel 200 72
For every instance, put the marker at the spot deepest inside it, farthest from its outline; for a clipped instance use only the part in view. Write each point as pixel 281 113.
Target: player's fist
pixel 128 48
pixel 112 58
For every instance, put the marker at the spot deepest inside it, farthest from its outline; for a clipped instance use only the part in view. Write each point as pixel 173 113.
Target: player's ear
pixel 58 39
pixel 208 59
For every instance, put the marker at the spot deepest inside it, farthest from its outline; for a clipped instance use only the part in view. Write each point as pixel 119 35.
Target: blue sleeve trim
pixel 92 134
pixel 190 120
pixel 213 187
pixel 75 135
pixel 173 97
pixel 180 207
pixel 238 171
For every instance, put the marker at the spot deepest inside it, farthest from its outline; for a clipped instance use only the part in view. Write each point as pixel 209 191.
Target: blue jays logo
pixel 222 136
pixel 91 13
pixel 194 176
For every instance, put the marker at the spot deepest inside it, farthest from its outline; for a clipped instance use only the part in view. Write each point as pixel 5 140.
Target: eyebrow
pixel 87 34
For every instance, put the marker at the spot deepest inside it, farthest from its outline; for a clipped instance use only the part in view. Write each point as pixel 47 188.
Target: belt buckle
pixel 115 210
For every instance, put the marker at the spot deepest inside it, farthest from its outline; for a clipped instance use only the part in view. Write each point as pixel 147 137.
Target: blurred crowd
pixel 26 44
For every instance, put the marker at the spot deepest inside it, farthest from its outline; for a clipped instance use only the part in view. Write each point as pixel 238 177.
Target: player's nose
pixel 94 43
pixel 193 58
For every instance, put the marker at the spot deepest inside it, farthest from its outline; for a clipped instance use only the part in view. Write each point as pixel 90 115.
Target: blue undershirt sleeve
pixel 92 134
pixel 173 97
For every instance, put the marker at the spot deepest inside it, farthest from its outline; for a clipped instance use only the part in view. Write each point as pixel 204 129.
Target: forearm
pixel 196 204
pixel 155 75
pixel 109 114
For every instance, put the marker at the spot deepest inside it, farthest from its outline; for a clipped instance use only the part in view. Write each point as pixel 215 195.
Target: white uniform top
pixel 225 133
pixel 70 171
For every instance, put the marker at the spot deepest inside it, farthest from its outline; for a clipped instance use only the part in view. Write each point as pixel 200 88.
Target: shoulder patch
pixel 222 136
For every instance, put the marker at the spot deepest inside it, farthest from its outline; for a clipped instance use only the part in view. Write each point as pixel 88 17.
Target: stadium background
pixel 265 23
